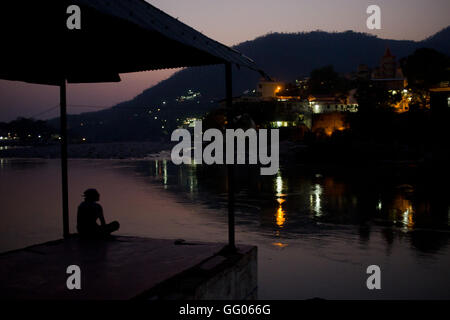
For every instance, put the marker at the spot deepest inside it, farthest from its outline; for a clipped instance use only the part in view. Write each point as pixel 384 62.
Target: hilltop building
pixel 388 73
pixel 387 68
pixel 388 76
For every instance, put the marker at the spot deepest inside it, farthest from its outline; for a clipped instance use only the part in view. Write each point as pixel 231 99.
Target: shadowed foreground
pixel 127 268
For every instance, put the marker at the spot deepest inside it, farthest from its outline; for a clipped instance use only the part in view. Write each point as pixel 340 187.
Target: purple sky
pixel 231 22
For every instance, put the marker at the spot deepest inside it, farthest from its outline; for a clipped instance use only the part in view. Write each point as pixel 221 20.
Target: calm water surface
pixel 316 231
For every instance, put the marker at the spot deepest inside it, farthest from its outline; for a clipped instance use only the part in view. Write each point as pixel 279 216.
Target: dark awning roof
pixel 116 36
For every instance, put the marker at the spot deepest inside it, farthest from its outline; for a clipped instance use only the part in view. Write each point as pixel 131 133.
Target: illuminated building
pixel 190 95
pixel 403 104
pixel 330 103
pixel 328 123
pixel 269 89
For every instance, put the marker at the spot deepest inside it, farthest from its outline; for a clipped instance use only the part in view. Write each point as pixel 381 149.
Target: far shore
pixel 291 153
pixel 111 150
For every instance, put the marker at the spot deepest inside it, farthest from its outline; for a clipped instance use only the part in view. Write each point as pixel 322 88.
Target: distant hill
pixel 284 56
pixel 440 41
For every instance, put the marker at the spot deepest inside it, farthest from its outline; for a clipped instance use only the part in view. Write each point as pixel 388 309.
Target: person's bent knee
pixel 111 227
pixel 115 225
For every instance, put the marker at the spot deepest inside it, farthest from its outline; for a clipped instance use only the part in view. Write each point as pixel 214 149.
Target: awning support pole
pixel 230 167
pixel 64 180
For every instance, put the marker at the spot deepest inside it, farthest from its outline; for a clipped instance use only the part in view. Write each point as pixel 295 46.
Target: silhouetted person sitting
pixel 89 211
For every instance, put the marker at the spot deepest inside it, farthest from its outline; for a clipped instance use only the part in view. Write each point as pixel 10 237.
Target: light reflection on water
pixel 306 224
pixel 317 223
pixel 302 197
pixel 315 200
pixel 280 215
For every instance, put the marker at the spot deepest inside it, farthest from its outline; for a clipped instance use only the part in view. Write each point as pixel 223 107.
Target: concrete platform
pixel 127 268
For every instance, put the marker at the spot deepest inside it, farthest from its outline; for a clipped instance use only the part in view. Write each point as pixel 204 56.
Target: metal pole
pixel 230 167
pixel 64 181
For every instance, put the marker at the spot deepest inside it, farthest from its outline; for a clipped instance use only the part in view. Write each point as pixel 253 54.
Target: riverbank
pixel 113 150
pixel 323 155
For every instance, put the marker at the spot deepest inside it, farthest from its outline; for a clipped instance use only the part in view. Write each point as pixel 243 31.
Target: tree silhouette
pixel 327 81
pixel 424 69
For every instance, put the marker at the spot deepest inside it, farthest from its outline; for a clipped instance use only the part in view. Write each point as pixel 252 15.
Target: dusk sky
pixel 232 22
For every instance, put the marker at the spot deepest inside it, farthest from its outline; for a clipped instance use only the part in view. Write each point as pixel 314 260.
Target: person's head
pixel 91 195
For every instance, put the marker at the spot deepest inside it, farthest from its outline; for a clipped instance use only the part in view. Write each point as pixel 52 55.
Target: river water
pixel 316 230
